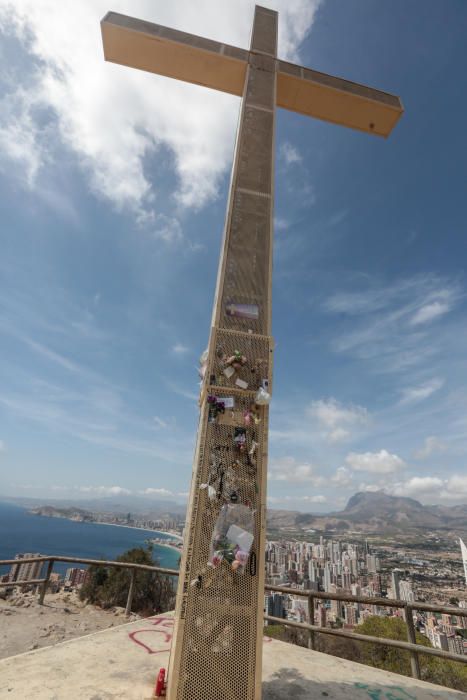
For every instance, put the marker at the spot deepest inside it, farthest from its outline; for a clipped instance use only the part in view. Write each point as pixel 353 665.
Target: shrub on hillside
pixel 108 587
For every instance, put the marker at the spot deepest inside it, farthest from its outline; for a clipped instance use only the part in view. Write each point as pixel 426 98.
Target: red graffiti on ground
pixel 164 626
pixel 159 622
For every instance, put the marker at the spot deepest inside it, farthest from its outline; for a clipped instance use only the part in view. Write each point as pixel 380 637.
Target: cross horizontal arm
pixel 174 54
pixel 336 100
pixel 194 59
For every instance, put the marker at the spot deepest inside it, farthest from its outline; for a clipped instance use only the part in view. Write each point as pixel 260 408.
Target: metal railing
pixel 312 629
pixel 44 582
pixel 408 608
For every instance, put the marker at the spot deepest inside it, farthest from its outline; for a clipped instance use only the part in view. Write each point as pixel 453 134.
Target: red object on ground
pixel 160 684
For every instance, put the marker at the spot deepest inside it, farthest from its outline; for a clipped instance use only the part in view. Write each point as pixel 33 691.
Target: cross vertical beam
pixel 217 644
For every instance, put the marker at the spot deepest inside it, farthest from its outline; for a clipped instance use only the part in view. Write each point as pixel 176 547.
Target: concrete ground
pixel 123 663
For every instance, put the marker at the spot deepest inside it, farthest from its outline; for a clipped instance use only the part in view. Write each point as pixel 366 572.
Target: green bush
pixel 108 587
pixel 433 669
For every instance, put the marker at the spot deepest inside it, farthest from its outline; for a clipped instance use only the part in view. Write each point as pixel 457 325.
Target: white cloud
pixel 281 224
pixel 167 228
pixel 431 445
pixel 2 446
pixel 421 392
pixel 297 499
pixel 456 486
pixel 319 498
pixel 181 391
pixel 289 154
pixel 417 486
pixel 370 488
pixel 338 435
pixel 378 325
pixel 157 492
pixel 412 296
pixel 18 139
pixel 111 117
pixel 430 312
pixel 342 477
pixel 104 490
pixel 290 470
pixel 179 349
pixel 337 419
pixel 332 413
pixel 382 462
pixel 159 422
pixel 453 488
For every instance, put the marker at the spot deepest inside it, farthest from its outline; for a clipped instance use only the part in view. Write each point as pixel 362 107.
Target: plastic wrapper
pixel 250 311
pixel 203 364
pixel 262 397
pixel 232 537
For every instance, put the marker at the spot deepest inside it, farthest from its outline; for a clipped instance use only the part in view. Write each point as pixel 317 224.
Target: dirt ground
pixel 25 625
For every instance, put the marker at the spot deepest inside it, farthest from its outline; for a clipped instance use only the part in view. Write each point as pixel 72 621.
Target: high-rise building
pixel 275 605
pixel 27 571
pixel 375 584
pixel 455 644
pixel 346 579
pixel 440 641
pixel 75 577
pixel 461 620
pixel 321 615
pixel 395 584
pixel 406 592
pixel 312 572
pixel 337 606
pixel 464 558
pixel 327 577
pixel 350 613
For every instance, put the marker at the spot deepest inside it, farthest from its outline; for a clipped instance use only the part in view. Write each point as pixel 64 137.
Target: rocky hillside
pixel 375 513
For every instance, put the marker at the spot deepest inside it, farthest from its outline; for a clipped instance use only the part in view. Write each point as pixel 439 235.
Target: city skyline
pixel 114 186
pixel 334 567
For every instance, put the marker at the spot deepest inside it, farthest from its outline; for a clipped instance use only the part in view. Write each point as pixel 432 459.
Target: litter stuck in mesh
pixel 232 537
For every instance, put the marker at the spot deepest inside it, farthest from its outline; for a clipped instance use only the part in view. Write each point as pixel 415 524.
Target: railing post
pixel 414 659
pixel 130 592
pixel 311 619
pixel 44 586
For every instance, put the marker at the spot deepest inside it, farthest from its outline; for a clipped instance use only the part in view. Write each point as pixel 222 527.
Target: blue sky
pixel 113 192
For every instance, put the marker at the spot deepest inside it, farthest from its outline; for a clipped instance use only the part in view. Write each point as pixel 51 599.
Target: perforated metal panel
pixel 216 652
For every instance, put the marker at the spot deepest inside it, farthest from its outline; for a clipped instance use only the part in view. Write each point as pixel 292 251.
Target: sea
pixel 22 532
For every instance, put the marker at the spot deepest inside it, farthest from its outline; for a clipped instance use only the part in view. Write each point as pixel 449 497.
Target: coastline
pixel 132 527
pixel 169 535
pixel 21 532
pixel 169 546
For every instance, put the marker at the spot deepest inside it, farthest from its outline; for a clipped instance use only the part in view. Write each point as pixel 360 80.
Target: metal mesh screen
pixel 217 640
pixel 220 608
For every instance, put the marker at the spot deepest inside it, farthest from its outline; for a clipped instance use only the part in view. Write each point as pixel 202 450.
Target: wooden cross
pixel 217 645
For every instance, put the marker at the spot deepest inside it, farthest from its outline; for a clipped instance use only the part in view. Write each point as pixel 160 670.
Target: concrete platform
pixel 123 663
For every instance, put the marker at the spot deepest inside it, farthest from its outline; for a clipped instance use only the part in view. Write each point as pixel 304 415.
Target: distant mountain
pixel 375 512
pixel 365 512
pixel 137 505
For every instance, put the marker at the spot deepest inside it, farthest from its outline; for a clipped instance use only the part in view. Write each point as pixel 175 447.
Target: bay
pixel 22 532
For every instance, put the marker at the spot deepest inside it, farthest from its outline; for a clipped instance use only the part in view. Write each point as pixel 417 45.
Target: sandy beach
pixel 172 535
